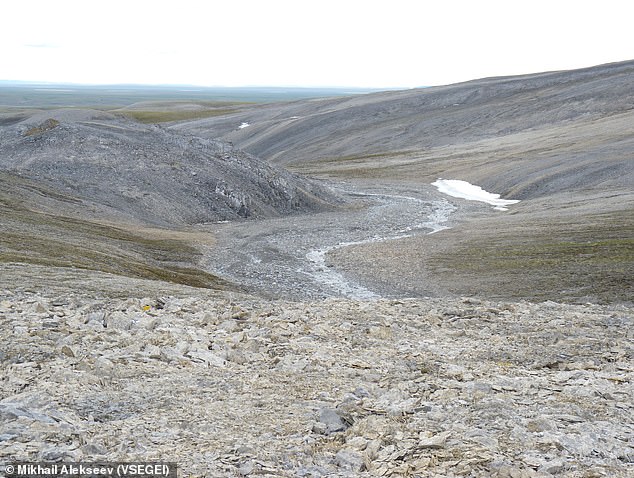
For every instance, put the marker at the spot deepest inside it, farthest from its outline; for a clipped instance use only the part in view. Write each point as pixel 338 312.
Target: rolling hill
pixel 523 136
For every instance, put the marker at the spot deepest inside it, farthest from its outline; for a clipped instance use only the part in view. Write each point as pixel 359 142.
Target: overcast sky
pixel 392 43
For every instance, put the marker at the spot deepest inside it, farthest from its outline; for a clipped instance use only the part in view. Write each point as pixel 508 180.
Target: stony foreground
pixel 237 386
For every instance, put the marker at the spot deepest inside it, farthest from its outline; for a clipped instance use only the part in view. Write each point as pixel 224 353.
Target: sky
pixel 342 43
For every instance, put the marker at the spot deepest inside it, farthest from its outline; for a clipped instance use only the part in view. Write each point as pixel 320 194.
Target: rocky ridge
pixel 232 385
pixel 127 171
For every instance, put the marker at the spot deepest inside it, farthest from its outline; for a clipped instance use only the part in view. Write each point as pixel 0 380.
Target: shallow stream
pixel 287 257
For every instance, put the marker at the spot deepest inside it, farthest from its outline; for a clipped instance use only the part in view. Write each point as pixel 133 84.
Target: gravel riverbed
pixel 287 257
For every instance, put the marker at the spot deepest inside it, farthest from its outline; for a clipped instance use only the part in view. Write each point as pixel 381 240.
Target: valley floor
pixel 407 239
pixel 288 257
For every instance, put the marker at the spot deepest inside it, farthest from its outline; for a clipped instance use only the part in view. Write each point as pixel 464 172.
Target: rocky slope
pixel 90 190
pixel 122 170
pixel 230 385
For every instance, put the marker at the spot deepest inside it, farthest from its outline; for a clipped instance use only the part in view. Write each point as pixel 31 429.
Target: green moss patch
pixel 590 260
pixel 47 125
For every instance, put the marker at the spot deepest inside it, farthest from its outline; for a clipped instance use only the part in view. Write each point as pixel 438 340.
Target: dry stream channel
pixel 287 257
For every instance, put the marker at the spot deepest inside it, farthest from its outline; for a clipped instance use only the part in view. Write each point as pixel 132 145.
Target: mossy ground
pixel 47 125
pixel 33 237
pixel 165 111
pixel 592 260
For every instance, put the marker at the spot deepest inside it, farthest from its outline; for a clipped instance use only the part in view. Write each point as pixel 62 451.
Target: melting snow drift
pixel 462 189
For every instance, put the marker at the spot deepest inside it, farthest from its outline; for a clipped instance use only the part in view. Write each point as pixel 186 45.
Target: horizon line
pixel 191 85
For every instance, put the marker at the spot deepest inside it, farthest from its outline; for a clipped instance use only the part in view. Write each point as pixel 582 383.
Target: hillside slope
pixel 127 171
pixel 88 190
pixel 524 136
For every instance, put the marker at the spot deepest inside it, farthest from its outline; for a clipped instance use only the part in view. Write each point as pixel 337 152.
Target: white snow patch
pixel 462 189
pixel 244 125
